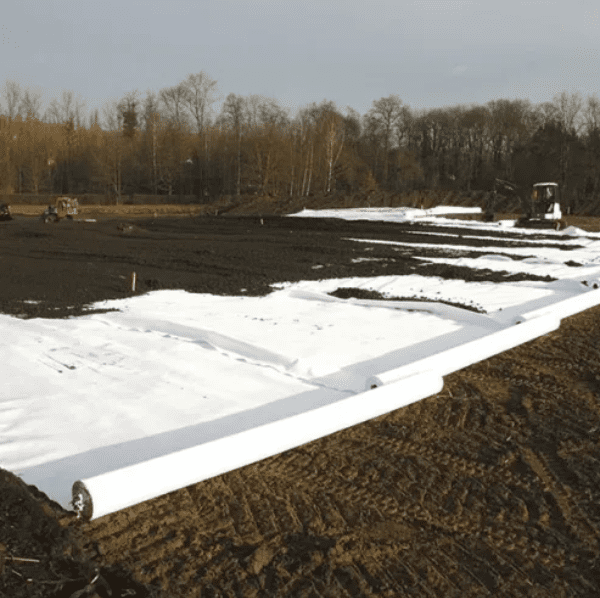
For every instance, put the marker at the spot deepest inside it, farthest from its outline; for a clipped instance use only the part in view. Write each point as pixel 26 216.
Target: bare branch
pixel 173 100
pixel 31 104
pixel 199 97
pixel 12 93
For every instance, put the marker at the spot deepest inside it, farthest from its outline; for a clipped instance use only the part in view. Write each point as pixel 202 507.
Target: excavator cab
pixel 546 201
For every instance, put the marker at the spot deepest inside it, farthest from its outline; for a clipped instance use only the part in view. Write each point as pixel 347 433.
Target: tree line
pixel 175 142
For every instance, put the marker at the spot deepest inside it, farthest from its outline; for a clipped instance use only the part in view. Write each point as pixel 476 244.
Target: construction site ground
pixel 491 487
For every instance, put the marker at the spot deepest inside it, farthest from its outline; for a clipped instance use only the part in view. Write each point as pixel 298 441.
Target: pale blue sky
pixel 432 53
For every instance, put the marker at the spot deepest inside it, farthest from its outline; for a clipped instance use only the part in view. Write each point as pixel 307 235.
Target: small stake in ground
pixel 132 278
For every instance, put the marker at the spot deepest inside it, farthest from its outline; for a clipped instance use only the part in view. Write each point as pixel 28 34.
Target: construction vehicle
pixel 540 209
pixel 63 207
pixel 5 212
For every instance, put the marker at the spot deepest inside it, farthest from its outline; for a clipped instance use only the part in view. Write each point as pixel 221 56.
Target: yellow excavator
pixel 539 209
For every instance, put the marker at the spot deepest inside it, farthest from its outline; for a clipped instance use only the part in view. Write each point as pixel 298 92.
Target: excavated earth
pixel 489 488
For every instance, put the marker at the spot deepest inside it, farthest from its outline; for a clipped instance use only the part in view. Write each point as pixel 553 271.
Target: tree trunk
pixel 154 168
pixel 239 165
pixel 310 170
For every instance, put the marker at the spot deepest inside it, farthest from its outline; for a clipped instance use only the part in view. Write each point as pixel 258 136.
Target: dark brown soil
pixel 57 270
pixel 490 488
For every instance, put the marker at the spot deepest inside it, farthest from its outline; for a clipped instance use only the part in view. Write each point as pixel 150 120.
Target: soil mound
pixel 43 551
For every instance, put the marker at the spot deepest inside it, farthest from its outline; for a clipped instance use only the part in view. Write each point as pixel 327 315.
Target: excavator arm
pixel 511 190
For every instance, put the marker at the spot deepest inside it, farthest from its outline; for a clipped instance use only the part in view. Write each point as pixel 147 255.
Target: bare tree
pixel 591 117
pixel 260 111
pixel 151 120
pixel 322 139
pixel 233 116
pixel 109 154
pixel 38 145
pixel 591 114
pixel 267 124
pixel 567 115
pixel 6 171
pixel 545 114
pixel 31 104
pixel 475 122
pixel 233 111
pixel 173 100
pixel 567 109
pixel 63 110
pixel 199 96
pixel 308 136
pixel 385 117
pixel 173 150
pixel 403 125
pixel 67 108
pixel 53 113
pixel 79 112
pixel 352 125
pixel 334 132
pixel 112 116
pixel 512 123
pixel 94 120
pixel 67 111
pixel 12 94
pixel 271 113
pixel 305 126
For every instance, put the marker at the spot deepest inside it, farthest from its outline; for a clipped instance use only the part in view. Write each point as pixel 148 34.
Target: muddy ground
pixel 490 488
pixel 57 270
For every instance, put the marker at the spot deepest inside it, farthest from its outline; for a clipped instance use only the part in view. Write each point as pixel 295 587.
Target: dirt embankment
pixel 490 488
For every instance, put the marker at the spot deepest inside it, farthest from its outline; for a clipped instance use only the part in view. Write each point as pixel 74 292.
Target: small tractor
pixel 63 207
pixel 5 212
pixel 540 209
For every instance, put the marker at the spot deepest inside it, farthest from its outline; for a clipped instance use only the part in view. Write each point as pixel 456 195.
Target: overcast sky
pixel 432 53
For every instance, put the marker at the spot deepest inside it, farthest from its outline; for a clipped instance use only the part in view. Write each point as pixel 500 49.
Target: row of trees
pixel 175 142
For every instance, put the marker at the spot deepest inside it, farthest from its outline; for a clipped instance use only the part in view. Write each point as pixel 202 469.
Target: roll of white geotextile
pixel 457 358
pixel 566 307
pixel 116 490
